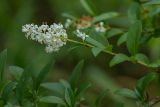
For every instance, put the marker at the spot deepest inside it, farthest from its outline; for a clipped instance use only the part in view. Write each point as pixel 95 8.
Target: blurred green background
pixel 22 52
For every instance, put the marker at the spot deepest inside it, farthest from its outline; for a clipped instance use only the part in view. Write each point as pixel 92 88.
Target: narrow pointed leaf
pixel 133 37
pixel 42 74
pixel 134 12
pixel 122 39
pixel 88 6
pixel 145 81
pixel 68 97
pixel 75 76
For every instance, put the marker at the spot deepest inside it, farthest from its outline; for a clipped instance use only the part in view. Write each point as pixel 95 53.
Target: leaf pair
pixel 68 93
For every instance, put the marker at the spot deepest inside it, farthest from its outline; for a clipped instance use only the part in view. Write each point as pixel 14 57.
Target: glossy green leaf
pixel 96 51
pixel 76 74
pixel 145 81
pixel 3 58
pixel 105 16
pixel 88 6
pixel 122 39
pixel 118 59
pixel 16 71
pixel 133 37
pixel 126 93
pixel 52 99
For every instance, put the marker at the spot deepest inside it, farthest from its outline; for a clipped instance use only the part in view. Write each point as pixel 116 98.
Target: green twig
pixel 105 51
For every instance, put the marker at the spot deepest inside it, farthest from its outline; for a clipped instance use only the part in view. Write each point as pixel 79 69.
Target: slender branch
pixel 105 51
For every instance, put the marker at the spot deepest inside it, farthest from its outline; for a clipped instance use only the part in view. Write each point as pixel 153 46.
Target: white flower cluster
pixel 81 35
pixel 100 27
pixel 53 36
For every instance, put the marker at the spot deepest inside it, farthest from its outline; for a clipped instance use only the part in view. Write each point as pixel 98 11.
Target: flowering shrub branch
pixel 92 31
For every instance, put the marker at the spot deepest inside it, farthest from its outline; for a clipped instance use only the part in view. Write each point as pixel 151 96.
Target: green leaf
pixel 118 59
pixel 56 87
pixel 67 15
pixel 134 12
pixel 145 81
pixel 97 39
pixel 88 6
pixel 133 37
pixel 65 84
pixel 3 58
pixel 126 93
pixel 141 57
pixel 105 16
pixel 100 98
pixel 95 43
pixel 23 83
pixel 154 12
pixel 114 32
pixel 8 89
pixel 122 39
pixel 42 74
pixel 76 74
pixel 83 88
pixel 68 97
pixel 96 51
pixel 52 99
pixel 16 71
pixel 153 2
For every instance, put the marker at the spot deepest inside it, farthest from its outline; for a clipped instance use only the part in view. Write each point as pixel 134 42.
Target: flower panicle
pixel 53 36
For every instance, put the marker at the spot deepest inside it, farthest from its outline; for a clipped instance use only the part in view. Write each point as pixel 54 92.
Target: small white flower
pixel 49 49
pixel 81 35
pixel 53 36
pixel 100 27
pixel 68 23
